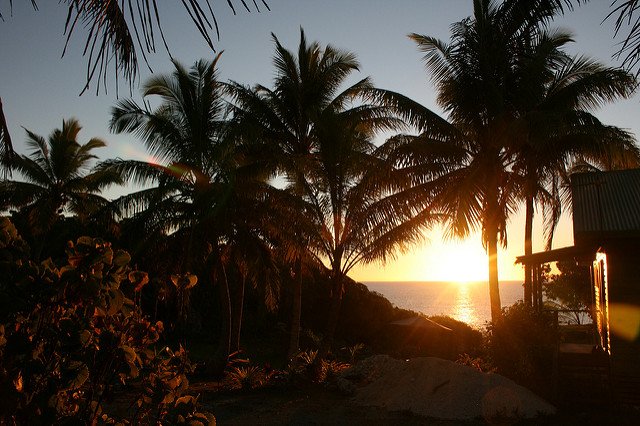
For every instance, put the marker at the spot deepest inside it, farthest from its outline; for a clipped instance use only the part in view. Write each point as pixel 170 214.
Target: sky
pixel 39 88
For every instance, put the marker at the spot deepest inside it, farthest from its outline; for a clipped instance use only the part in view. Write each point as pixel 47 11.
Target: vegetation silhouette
pixel 519 115
pixel 203 198
pixel 71 336
pixel 56 179
pixel 319 138
pixel 499 78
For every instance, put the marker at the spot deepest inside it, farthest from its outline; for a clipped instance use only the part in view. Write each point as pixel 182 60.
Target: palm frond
pixel 6 147
pixel 120 32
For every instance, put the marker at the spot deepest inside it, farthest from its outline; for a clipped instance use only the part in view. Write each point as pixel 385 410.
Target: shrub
pixel 70 339
pixel 521 346
pixel 247 377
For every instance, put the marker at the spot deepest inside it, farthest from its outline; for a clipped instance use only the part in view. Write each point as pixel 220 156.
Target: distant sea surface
pixel 467 302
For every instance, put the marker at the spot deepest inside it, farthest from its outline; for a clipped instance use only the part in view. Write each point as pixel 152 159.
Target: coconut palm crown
pixel 56 177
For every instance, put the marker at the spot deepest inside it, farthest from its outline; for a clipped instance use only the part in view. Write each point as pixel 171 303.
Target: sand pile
pixel 433 387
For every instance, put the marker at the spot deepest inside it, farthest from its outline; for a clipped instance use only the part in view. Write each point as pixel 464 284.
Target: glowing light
pixel 624 320
pixel 464 310
pixel 464 261
pixel 138 154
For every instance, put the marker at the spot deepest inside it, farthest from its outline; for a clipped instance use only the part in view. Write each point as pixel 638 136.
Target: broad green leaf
pixel 184 281
pixel 115 301
pixel 128 353
pixel 121 258
pixel 128 307
pixel 85 241
pixel 74 374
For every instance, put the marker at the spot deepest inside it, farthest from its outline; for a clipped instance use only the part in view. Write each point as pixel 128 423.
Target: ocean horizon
pixel 464 301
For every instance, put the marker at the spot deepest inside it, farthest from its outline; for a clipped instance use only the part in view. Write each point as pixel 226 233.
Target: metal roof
pixel 585 252
pixel 606 204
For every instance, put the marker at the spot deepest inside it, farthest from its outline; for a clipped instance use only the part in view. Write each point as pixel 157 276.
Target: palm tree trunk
pixel 494 287
pixel 296 311
pixel 492 215
pixel 236 312
pixel 528 250
pixel 333 317
pixel 218 361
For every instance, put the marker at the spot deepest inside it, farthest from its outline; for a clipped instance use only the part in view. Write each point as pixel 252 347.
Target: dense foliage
pixel 569 289
pixel 522 345
pixel 71 339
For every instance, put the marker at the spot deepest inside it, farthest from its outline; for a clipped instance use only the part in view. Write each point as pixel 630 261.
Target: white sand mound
pixel 437 388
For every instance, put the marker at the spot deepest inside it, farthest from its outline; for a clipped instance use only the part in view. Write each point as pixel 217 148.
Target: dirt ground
pixel 315 405
pixel 302 406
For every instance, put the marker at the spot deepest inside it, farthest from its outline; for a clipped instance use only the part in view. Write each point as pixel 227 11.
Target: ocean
pixel 467 302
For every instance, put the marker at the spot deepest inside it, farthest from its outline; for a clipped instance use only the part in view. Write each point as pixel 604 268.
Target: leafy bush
pixel 521 346
pixel 303 368
pixel 477 362
pixel 71 340
pixel 248 377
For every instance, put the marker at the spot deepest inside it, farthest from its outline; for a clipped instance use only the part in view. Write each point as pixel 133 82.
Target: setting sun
pixel 463 261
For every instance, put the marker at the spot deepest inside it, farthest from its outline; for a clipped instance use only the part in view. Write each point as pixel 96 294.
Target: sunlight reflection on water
pixel 468 302
pixel 464 310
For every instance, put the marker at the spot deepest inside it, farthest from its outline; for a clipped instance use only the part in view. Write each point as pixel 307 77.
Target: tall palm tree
pixel 474 76
pixel 553 104
pixel 196 190
pixel 56 178
pixel 356 207
pixel 282 120
pixel 318 136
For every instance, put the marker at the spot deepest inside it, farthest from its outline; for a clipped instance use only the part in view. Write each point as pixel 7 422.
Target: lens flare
pixel 624 320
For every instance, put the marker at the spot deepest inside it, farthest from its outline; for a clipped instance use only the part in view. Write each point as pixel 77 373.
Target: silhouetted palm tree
pixel 318 136
pixel 475 78
pixel 119 32
pixel 355 206
pixel 626 11
pixel 197 191
pixel 282 121
pixel 553 101
pixel 56 178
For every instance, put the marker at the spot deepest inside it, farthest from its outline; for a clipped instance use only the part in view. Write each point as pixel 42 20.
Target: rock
pixel 437 388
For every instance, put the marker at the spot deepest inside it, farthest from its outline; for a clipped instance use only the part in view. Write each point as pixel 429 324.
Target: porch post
pixel 534 289
pixel 539 285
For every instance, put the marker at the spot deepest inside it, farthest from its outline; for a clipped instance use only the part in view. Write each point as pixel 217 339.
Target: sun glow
pixel 461 262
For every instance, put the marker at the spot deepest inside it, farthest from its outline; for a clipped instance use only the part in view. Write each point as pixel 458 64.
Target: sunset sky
pixel 39 89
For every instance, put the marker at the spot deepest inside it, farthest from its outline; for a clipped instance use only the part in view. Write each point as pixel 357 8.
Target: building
pixel 606 232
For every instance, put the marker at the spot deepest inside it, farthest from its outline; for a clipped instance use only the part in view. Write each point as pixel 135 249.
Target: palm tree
pixel 356 208
pixel 196 190
pixel 125 30
pixel 344 208
pixel 250 259
pixel 475 78
pixel 56 178
pixel 282 120
pixel 630 46
pixel 553 104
